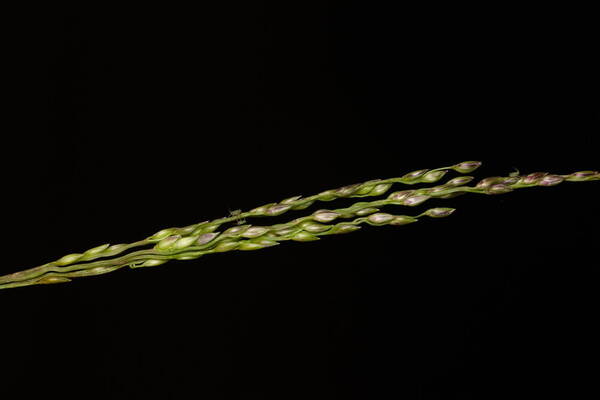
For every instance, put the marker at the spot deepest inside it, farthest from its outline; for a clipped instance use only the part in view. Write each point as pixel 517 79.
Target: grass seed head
pixel 433 176
pixel 255 231
pixel 304 236
pixel 439 212
pixel 466 167
pixel 403 220
pixel 167 243
pixel 550 180
pixel 415 200
pixel 380 218
pixel 414 175
pixel 532 178
pixel 325 215
pixel 498 188
pixel 460 180
pixel 380 189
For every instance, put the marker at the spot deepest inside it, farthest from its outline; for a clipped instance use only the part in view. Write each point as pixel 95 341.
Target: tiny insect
pixel 237 216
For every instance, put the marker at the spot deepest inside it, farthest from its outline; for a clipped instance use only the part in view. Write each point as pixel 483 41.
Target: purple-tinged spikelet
pixel 532 178
pixel 415 200
pixel 466 167
pixel 380 218
pixel 325 215
pixel 439 212
pixel 550 180
pixel 460 180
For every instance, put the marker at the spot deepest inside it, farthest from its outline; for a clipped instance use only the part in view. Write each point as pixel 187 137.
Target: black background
pixel 121 122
